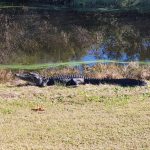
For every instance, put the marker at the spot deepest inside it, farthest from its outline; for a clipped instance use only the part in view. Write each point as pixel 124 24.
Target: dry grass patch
pixel 132 70
pixel 87 117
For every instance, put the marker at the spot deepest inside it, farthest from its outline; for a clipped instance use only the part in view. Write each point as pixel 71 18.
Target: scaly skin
pixel 38 80
pixel 74 80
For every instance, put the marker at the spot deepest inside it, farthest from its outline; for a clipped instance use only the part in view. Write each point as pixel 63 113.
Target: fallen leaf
pixel 38 109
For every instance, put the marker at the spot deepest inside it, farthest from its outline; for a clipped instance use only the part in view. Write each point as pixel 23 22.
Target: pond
pixel 31 36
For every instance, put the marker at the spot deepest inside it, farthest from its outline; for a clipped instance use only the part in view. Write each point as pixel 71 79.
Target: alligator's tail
pixel 122 82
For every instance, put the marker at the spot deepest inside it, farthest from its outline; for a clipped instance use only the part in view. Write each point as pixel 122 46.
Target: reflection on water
pixel 31 36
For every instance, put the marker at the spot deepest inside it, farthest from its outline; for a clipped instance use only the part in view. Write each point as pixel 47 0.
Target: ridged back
pixel 59 77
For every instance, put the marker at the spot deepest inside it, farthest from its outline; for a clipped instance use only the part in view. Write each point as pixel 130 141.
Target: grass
pixel 144 9
pixel 99 70
pixel 86 117
pixel 64 64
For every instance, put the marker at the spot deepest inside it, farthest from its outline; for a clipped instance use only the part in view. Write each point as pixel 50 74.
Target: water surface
pixel 41 36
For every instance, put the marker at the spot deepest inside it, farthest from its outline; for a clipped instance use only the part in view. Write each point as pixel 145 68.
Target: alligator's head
pixel 32 77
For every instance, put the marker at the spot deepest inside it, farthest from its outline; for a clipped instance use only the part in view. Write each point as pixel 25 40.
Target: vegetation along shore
pixel 86 117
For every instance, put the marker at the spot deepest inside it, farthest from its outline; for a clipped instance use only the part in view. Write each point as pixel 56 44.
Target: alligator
pixel 75 80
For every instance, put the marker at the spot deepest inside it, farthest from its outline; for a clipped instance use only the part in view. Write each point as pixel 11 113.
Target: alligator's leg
pixel 43 83
pixel 75 82
pixel 50 82
pixel 71 82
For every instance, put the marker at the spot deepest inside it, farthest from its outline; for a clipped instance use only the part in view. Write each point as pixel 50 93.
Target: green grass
pixel 76 63
pixel 36 6
pixel 86 117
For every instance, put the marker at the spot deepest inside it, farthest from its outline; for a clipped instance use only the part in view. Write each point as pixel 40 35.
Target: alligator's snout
pixel 26 77
pixel 19 75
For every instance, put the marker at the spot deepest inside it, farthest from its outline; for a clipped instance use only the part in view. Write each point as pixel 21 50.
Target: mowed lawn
pixel 88 117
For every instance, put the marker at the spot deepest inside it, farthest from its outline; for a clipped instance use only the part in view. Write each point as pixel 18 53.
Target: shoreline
pixel 106 10
pixel 132 70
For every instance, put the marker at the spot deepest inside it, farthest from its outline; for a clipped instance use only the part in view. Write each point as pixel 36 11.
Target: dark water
pixel 42 36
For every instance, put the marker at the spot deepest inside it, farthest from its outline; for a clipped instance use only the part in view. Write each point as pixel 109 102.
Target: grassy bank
pixel 86 117
pixel 84 6
pixel 132 70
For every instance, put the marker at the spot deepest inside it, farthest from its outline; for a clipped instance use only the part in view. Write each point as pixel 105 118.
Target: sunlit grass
pixel 132 70
pixel 48 65
pixel 86 117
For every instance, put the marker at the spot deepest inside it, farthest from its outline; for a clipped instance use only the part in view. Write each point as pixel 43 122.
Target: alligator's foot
pixel 75 82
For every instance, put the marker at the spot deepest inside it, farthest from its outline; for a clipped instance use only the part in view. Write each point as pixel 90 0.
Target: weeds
pixel 132 70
